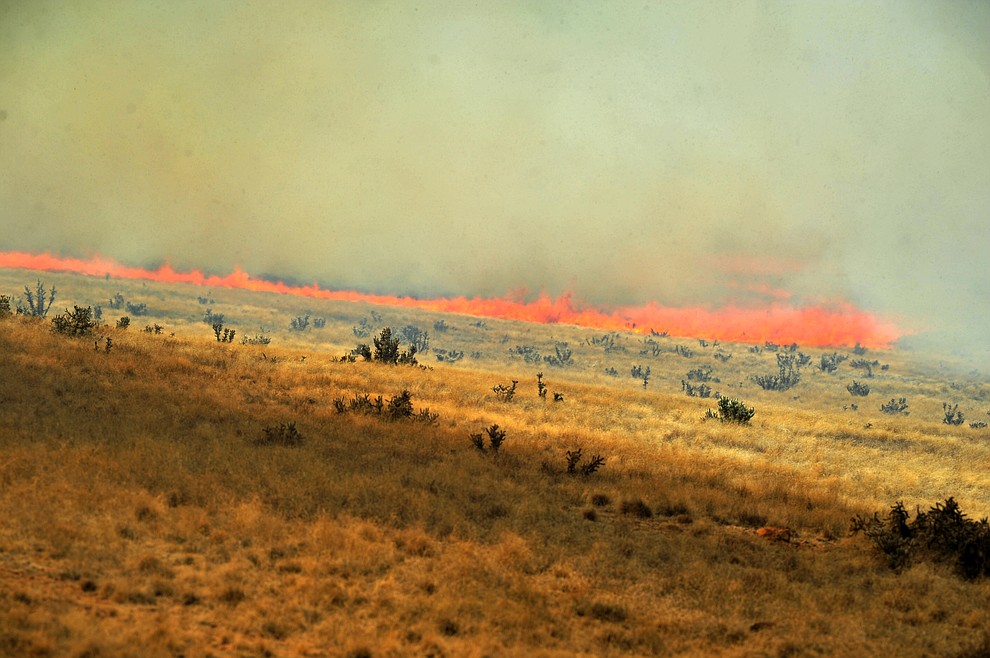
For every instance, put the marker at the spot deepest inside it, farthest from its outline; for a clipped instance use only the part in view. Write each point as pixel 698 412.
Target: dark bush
pixel 123 322
pixel 952 414
pixel 283 434
pixel 561 356
pixel 495 437
pixel 137 309
pixel 416 337
pixel 788 374
pixel 528 353
pixel 212 318
pixel 942 535
pixel 731 410
pixel 387 350
pixel 299 323
pixel 856 388
pixel 895 407
pixel 224 335
pixel 451 356
pixel 697 390
pixel 636 507
pixel 505 393
pixel 4 305
pixel 36 306
pixel 75 323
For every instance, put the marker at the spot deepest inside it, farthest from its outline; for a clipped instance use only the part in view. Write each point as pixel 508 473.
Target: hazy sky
pixel 679 152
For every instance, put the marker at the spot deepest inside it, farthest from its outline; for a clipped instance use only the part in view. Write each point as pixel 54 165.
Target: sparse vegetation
pixel 141 492
pixel 123 322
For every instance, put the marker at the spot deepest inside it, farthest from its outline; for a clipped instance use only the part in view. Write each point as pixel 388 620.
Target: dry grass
pixel 142 517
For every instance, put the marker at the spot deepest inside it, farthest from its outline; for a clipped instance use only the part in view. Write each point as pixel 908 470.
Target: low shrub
pixel 283 434
pixel 731 410
pixel 75 323
pixel 895 407
pixel 505 393
pixel 942 535
pixel 856 388
pixel 952 414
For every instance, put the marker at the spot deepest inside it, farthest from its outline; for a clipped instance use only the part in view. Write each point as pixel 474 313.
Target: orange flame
pixel 837 324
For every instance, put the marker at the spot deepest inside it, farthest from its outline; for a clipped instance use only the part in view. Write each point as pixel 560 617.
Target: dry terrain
pixel 163 493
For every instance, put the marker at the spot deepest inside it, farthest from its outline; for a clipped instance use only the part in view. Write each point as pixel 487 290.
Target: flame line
pixel 837 324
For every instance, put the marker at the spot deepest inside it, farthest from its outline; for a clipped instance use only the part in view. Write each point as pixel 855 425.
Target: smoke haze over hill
pixel 681 153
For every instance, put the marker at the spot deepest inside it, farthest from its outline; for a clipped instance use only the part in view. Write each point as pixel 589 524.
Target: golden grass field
pixel 143 516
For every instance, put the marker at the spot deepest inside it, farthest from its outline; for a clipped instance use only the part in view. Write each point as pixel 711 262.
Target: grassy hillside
pixel 175 495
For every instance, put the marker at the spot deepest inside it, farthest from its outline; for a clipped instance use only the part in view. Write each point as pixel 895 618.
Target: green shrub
pixel 731 410
pixel 75 323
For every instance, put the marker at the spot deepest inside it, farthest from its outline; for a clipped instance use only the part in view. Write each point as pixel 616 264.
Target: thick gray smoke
pixel 676 152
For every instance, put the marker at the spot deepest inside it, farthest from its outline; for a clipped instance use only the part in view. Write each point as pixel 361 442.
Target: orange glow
pixel 837 324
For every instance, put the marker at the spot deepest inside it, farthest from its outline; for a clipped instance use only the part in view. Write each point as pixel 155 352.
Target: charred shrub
pixel 895 407
pixel 941 535
pixel 4 305
pixel 856 388
pixel 731 410
pixel 75 323
pixel 123 322
pixel 283 434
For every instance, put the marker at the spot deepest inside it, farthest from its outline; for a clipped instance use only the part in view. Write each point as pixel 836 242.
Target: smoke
pixel 678 153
